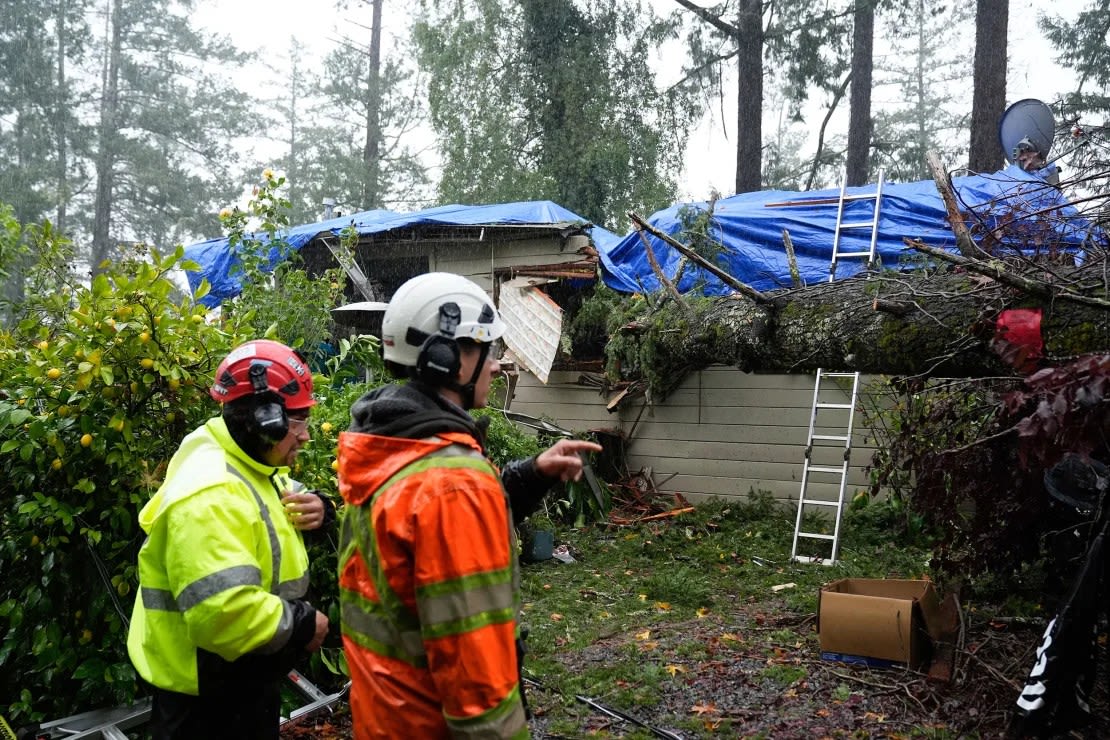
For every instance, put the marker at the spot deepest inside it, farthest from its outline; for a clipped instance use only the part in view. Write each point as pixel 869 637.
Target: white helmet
pixel 436 304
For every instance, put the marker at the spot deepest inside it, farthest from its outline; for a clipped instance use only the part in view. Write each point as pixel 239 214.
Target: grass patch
pixel 646 612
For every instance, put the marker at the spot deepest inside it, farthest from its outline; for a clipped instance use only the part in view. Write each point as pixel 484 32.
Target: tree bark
pixel 371 153
pixel 105 156
pixel 940 325
pixel 859 117
pixel 988 100
pixel 749 97
pixel 60 101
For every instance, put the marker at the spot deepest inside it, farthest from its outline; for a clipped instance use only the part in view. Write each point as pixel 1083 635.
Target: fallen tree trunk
pixel 914 324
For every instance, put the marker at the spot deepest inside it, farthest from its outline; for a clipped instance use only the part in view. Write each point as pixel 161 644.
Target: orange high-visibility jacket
pixel 429 589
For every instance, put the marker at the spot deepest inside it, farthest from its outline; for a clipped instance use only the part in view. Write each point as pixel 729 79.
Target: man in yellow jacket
pixel 220 616
pixel 428 564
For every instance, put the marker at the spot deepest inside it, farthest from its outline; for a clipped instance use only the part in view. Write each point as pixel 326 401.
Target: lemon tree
pixel 101 382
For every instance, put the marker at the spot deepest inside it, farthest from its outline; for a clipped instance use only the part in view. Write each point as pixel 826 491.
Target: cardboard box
pixel 878 621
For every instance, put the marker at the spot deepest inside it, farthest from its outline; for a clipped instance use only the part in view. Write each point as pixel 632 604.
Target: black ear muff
pixel 438 362
pixel 272 421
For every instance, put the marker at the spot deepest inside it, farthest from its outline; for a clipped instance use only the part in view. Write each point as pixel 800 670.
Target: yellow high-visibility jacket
pixel 221 574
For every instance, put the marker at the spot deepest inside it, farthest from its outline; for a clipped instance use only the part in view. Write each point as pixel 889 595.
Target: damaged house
pixel 719 431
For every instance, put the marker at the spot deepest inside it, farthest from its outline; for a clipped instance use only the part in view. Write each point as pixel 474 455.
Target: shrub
pixel 101 382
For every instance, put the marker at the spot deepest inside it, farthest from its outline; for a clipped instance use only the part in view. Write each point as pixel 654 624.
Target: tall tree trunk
pixel 293 173
pixel 989 97
pixel 920 110
pixel 859 118
pixel 371 153
pixel 749 97
pixel 105 155
pixel 62 184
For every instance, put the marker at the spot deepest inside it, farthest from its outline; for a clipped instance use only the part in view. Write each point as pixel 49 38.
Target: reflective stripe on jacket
pixel 429 589
pixel 219 566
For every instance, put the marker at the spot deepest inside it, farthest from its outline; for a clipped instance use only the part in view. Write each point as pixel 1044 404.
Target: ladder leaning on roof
pixel 821 390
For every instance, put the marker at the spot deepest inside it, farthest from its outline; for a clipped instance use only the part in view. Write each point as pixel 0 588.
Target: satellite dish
pixel 365 316
pixel 1027 122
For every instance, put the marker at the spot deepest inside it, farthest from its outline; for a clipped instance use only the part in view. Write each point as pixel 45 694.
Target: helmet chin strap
pixel 467 391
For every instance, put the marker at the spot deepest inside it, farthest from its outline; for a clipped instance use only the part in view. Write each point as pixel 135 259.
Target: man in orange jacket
pixel 429 586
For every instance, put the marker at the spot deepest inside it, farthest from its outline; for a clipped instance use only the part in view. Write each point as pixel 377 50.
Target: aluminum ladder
pixel 109 724
pixel 822 388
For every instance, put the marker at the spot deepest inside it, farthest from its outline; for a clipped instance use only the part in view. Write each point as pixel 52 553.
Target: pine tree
pixel 920 115
pixel 1081 46
pixel 988 100
pixel 805 42
pixel 167 123
pixel 551 100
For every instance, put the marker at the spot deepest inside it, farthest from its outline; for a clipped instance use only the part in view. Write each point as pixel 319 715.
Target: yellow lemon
pixel 118 425
pixel 335 465
pixel 57 464
pixel 63 410
pixel 44 345
pixel 53 373
pixel 197 318
pixel 86 440
pixel 174 384
pixel 144 336
pixel 147 363
pixel 134 387
pixel 325 427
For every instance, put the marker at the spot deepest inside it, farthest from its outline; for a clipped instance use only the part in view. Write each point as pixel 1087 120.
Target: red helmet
pixel 260 366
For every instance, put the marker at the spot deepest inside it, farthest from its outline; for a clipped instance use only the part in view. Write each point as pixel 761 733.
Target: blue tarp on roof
pixel 750 226
pixel 218 262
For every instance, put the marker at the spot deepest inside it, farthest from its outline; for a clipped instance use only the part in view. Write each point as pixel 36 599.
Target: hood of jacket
pixel 200 463
pixel 393 426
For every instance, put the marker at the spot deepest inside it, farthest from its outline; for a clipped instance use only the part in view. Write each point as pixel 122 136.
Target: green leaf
pixel 9 445
pixel 89 668
pixel 107 375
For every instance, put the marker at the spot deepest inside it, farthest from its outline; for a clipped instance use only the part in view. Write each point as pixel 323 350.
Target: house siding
pixel 722 434
pixel 478 260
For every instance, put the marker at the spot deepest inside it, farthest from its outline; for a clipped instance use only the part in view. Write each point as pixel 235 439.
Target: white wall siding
pixel 722 433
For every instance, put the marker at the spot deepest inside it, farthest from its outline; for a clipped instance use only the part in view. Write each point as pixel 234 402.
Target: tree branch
pixel 745 290
pixel 967 246
pixel 703 13
pixel 821 134
pixel 1024 284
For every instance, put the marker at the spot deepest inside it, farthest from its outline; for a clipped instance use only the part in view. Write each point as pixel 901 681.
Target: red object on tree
pixel 1017 336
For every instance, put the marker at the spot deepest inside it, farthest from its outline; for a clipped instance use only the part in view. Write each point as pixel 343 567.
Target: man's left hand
pixel 561 460
pixel 305 510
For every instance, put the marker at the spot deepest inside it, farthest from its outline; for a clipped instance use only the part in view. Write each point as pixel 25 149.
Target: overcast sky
pixel 270 24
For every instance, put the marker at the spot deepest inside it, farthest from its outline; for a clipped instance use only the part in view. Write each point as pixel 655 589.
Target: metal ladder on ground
pixel 816 440
pixel 109 724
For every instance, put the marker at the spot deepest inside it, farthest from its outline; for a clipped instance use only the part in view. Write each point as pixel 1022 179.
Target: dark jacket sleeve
pixel 304 624
pixel 327 527
pixel 526 487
